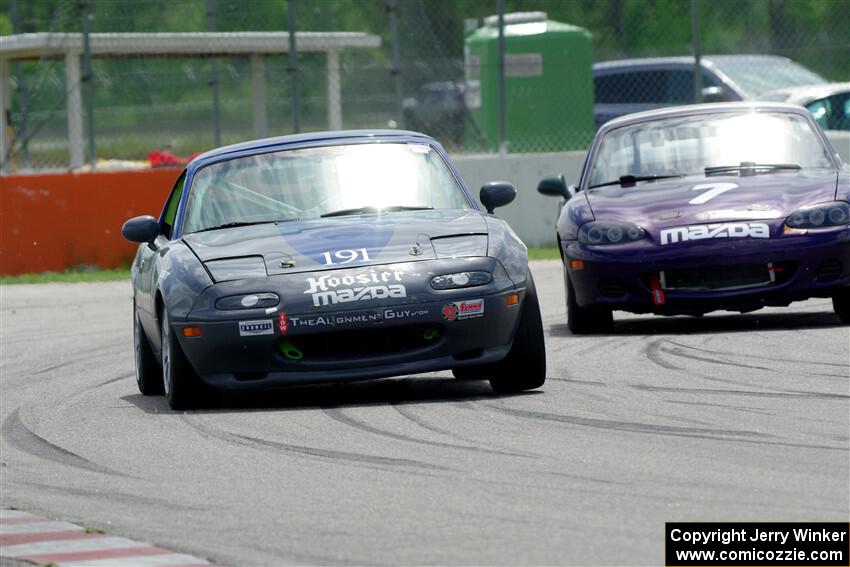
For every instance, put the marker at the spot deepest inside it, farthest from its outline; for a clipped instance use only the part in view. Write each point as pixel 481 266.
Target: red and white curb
pixel 33 538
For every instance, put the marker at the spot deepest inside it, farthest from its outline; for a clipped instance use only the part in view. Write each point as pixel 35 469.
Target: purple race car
pixel 687 210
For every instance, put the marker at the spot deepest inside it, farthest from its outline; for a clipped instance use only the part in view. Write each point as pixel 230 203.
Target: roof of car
pixel 709 108
pixel 686 59
pixel 804 95
pixel 320 138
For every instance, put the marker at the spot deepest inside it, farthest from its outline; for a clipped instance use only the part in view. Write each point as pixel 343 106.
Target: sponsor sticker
pixel 332 289
pixel 449 312
pixel 718 230
pixel 282 322
pixel 404 313
pixel 253 328
pixel 460 310
pixel 354 318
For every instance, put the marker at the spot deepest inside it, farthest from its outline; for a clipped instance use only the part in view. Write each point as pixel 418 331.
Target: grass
pixel 547 253
pixel 69 276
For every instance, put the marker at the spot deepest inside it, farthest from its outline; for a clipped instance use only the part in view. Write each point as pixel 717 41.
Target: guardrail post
pixel 74 103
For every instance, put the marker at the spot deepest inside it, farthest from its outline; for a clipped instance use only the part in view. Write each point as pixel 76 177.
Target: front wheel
pixel 181 385
pixel 585 320
pixel 841 305
pixel 525 366
pixel 148 371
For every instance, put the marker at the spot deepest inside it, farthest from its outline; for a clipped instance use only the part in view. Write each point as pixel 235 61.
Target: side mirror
pixel 496 194
pixel 141 229
pixel 554 187
pixel 715 94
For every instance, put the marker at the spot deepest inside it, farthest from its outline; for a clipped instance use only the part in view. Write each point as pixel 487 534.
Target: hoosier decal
pixel 327 290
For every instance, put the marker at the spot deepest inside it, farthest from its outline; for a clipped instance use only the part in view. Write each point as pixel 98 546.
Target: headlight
pixel 237 268
pixel 460 280
pixel 248 301
pixel 609 232
pixel 836 213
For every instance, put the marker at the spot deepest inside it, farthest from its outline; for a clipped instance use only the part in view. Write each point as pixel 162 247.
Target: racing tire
pixel 524 368
pixel 841 305
pixel 585 320
pixel 183 388
pixel 148 371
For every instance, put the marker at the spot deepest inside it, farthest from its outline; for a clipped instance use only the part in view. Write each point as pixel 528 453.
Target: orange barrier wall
pixel 58 221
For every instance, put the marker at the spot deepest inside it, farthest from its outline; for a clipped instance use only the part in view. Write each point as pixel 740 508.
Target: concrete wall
pixel 532 215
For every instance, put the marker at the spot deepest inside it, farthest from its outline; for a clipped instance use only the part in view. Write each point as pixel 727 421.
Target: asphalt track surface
pixel 727 417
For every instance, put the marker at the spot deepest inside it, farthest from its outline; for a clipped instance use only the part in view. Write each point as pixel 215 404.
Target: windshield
pixel 327 181
pixel 757 75
pixel 687 145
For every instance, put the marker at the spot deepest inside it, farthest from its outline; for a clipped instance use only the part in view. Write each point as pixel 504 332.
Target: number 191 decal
pixel 345 256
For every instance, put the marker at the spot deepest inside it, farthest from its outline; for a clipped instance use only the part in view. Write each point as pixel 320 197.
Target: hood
pixel 699 199
pixel 361 240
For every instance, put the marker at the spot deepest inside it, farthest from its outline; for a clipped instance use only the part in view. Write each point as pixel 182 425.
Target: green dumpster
pixel 548 85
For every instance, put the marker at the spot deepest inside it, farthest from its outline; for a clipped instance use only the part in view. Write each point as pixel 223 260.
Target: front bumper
pixel 299 342
pixel 814 264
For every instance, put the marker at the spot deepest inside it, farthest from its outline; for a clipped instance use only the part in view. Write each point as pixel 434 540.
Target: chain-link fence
pixel 227 71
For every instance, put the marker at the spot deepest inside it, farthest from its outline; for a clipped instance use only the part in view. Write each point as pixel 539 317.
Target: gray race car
pixel 329 257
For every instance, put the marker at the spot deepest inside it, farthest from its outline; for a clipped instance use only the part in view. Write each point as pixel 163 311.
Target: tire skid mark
pixel 630 426
pixel 375 461
pixel 94 353
pixel 576 381
pixel 760 411
pixel 113 496
pixel 340 416
pixel 113 380
pixel 16 432
pixel 50 335
pixel 680 352
pixel 602 345
pixel 670 430
pixel 770 358
pixel 289 555
pixel 792 394
pixel 652 352
pixel 581 477
pixel 655 350
pixel 411 416
pixel 449 433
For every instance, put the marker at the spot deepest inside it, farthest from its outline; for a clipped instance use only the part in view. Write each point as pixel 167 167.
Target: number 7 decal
pixel 713 190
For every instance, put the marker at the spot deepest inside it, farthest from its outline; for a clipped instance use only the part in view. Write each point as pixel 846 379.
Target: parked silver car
pixel 829 103
pixel 634 85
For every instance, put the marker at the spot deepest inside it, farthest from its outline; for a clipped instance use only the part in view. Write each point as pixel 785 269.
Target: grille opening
pixel 727 277
pixel 830 270
pixel 353 344
pixel 611 287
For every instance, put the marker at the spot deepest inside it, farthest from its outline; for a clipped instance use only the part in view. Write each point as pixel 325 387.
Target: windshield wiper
pixel 747 168
pixel 374 210
pixel 631 180
pixel 239 223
